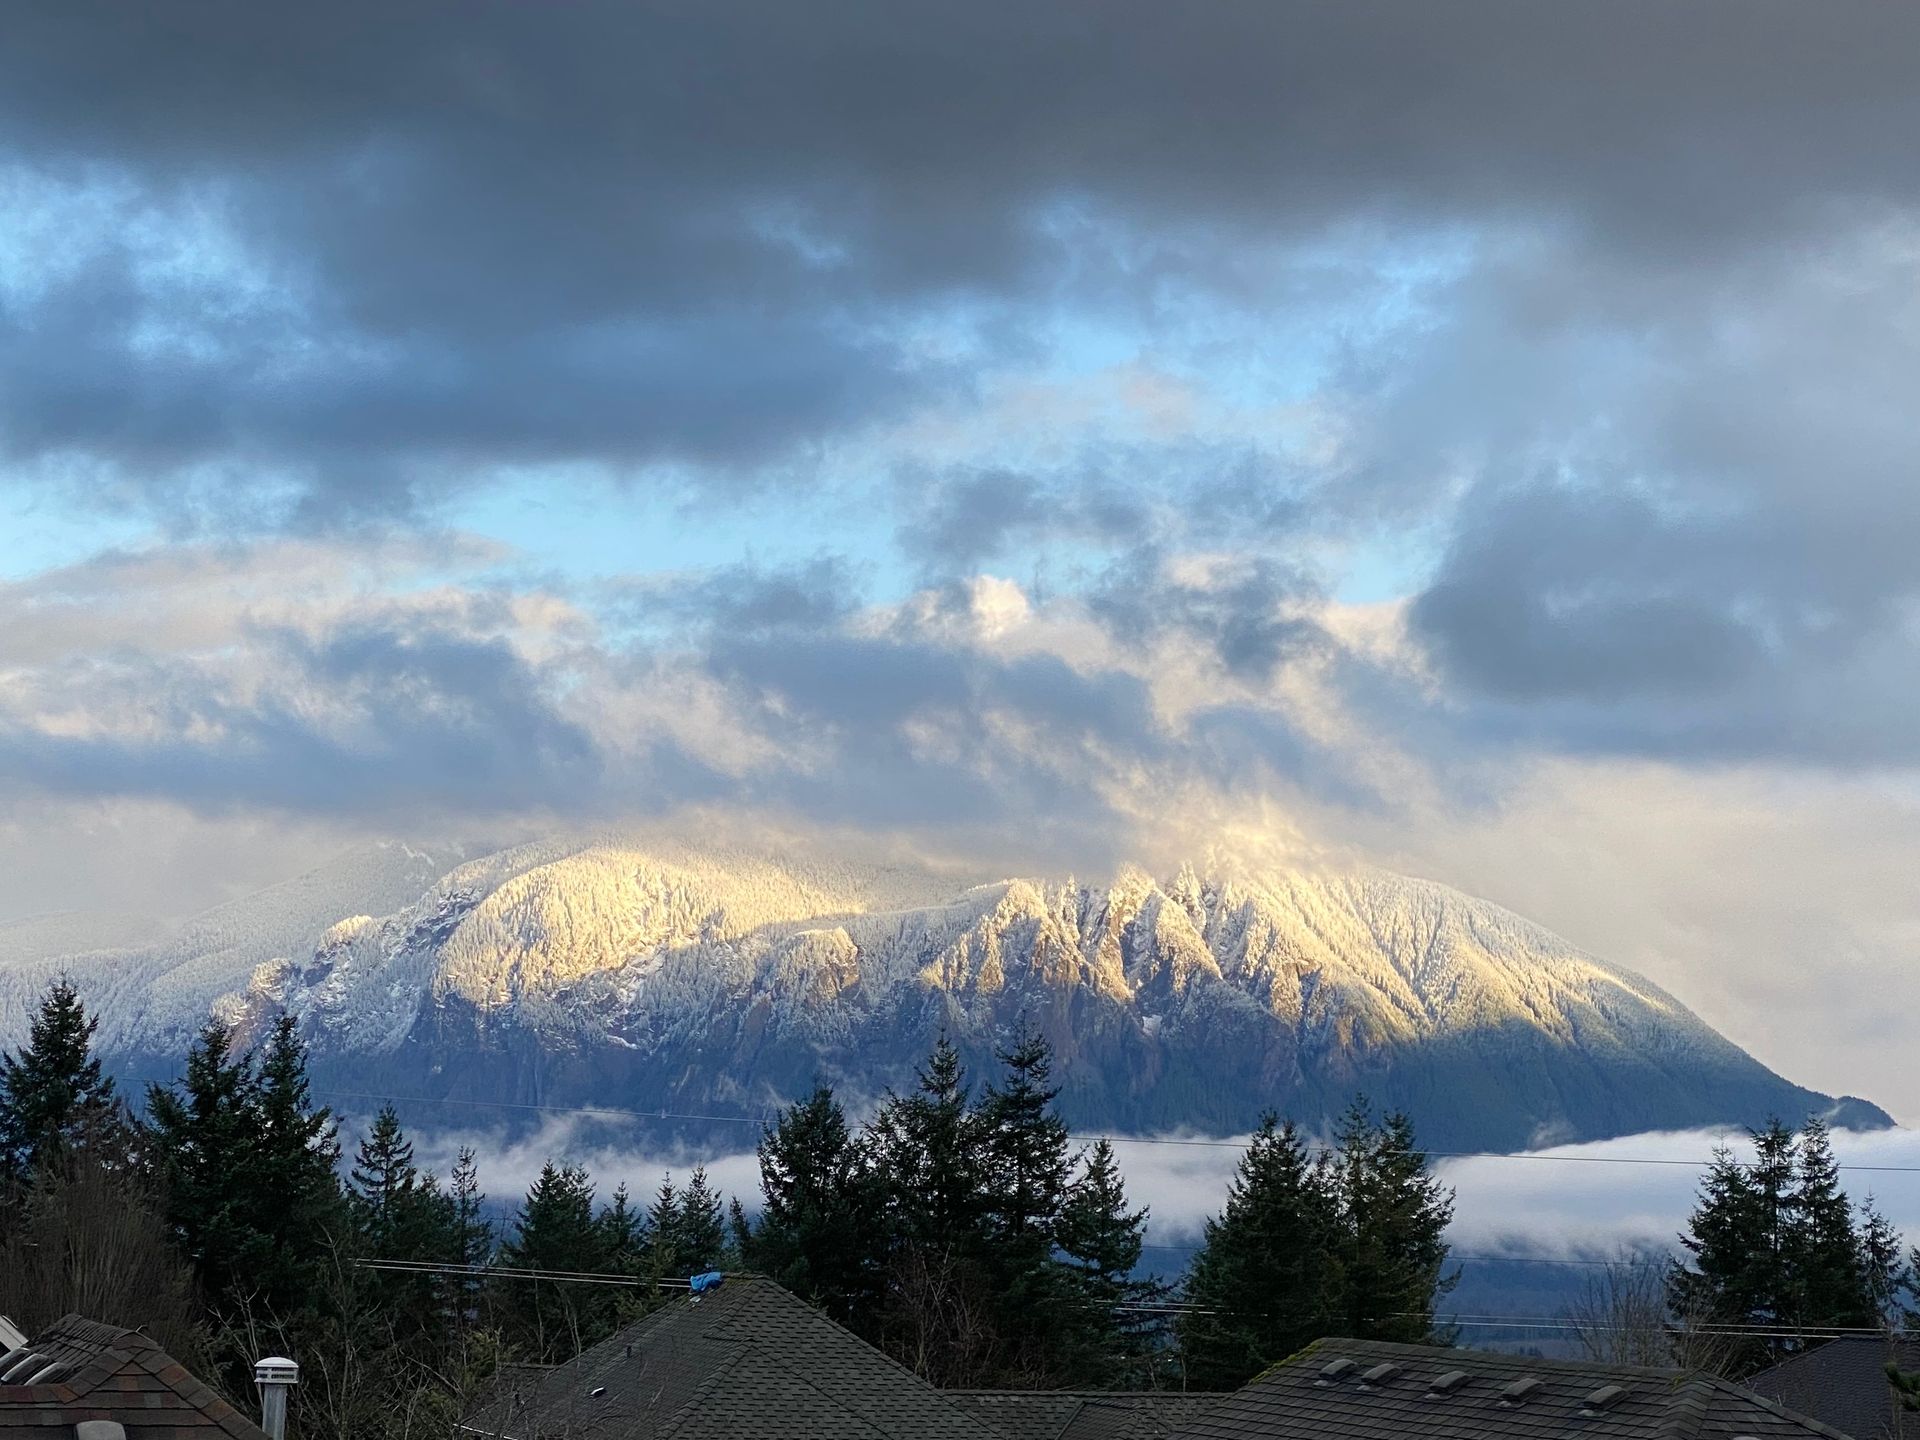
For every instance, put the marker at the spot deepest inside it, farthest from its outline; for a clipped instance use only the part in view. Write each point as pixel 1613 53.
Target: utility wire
pixel 519 1272
pixel 1172 1307
pixel 769 1117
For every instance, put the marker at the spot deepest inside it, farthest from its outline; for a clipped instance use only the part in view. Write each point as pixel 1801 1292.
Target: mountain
pixel 153 990
pixel 712 982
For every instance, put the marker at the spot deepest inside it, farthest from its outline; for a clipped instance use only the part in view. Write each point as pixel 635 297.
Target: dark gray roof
pixel 1295 1400
pixel 747 1360
pixel 88 1371
pixel 1084 1414
pixel 1844 1384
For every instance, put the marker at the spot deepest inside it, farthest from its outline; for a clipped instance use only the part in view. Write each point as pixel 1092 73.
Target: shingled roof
pixel 1371 1390
pixel 77 1370
pixel 747 1359
pixel 1084 1414
pixel 1843 1383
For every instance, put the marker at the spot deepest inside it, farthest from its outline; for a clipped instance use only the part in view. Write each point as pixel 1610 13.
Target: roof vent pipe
pixel 275 1375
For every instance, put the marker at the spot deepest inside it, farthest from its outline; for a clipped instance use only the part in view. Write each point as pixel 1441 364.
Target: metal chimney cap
pixel 276 1370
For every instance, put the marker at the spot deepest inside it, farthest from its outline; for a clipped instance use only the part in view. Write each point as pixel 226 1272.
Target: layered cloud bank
pixel 1578 1202
pixel 1480 440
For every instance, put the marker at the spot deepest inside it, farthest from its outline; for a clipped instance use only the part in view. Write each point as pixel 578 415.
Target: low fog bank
pixel 1571 1201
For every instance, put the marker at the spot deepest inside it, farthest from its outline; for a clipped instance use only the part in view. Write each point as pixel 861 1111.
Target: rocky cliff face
pixel 671 978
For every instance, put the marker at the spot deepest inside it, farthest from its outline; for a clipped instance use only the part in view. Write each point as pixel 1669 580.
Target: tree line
pixel 958 1228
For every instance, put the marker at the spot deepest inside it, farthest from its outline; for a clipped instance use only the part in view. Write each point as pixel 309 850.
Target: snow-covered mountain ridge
pixel 672 977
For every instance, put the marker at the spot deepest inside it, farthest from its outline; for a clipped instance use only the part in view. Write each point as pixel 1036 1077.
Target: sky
pixel 1473 439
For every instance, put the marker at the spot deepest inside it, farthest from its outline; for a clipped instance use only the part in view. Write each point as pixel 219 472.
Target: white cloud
pixel 1573 1201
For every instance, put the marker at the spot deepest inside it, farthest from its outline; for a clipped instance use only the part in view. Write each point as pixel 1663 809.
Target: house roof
pixel 1084 1414
pixel 746 1359
pixel 1442 1394
pixel 89 1371
pixel 1843 1383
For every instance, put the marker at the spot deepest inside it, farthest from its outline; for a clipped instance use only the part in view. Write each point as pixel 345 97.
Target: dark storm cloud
pixel 302 267
pixel 1704 554
pixel 628 232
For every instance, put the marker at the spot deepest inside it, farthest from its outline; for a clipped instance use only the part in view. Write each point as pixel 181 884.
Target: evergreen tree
pixel 926 1147
pixel 1773 1245
pixel 292 1178
pixel 400 1214
pixel 552 1320
pixel 739 1236
pixel 939 1315
pixel 202 1134
pixel 700 1233
pixel 819 1227
pixel 663 1229
pixel 1101 1237
pixel 382 1179
pixel 1265 1282
pixel 1393 1214
pixel 52 1094
pixel 470 1240
pixel 1027 1168
pixel 1729 1275
pixel 1828 1284
pixel 1888 1277
pixel 623 1236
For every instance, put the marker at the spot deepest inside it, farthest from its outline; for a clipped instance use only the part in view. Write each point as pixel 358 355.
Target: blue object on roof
pixel 710 1280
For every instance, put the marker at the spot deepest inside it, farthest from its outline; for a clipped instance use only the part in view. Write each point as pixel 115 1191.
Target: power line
pixel 519 1272
pixel 764 1119
pixel 1463 1256
pixel 1170 1307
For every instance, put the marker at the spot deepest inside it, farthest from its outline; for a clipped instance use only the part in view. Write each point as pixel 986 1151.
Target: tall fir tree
pixel 700 1231
pixel 1027 1167
pixel 293 1174
pixel 53 1093
pixel 382 1179
pixel 819 1228
pixel 1266 1279
pixel 1728 1276
pixel 1118 1332
pixel 739 1235
pixel 202 1131
pixel 1828 1283
pixel 663 1229
pixel 400 1214
pixel 1393 1217
pixel 470 1239
pixel 939 1312
pixel 623 1234
pixel 926 1145
pixel 1888 1277
pixel 555 1229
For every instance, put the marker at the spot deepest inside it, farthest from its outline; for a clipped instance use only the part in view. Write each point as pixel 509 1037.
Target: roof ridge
pixel 1076 1390
pixel 758 1283
pixel 1774 1407
pixel 1413 1350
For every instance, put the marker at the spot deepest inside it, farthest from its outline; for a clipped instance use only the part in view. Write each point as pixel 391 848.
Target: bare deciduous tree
pixel 89 1241
pixel 1623 1317
pixel 939 1322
